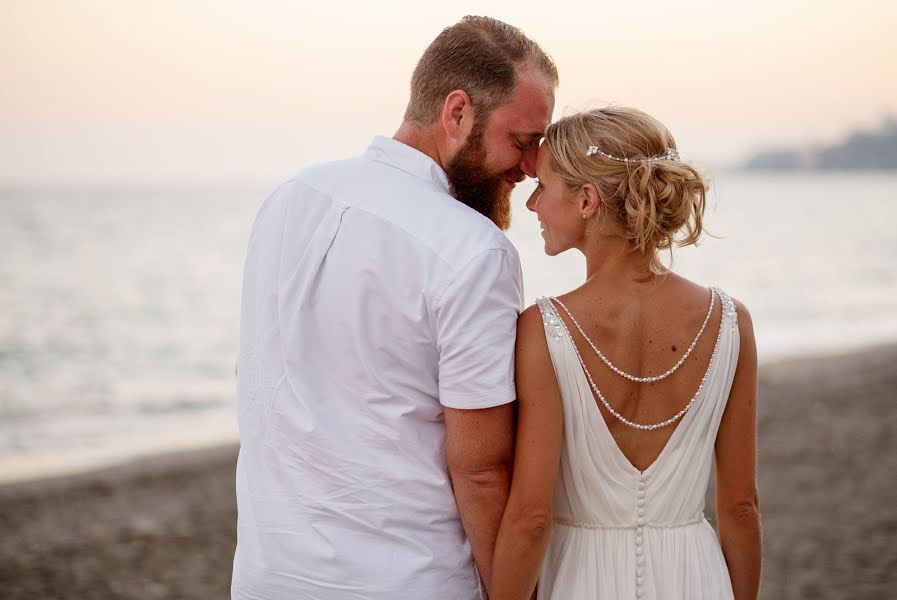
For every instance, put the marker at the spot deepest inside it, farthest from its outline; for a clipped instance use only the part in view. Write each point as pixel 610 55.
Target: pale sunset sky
pixel 139 92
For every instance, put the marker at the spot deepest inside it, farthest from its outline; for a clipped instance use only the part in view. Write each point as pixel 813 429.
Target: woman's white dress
pixel 624 533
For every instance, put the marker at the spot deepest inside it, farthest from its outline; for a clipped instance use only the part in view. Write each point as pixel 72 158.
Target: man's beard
pixel 477 187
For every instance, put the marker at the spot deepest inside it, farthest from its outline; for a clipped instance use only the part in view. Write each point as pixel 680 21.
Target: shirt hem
pixel 490 399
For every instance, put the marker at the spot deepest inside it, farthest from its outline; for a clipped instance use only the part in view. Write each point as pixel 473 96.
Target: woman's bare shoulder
pixel 529 322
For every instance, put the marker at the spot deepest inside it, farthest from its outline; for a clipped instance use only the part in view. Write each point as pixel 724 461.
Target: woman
pixel 627 388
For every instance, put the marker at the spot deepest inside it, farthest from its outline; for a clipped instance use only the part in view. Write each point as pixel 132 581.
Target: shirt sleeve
pixel 476 328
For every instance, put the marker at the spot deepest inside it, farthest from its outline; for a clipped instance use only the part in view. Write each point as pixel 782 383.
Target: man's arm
pixel 479 448
pixel 476 325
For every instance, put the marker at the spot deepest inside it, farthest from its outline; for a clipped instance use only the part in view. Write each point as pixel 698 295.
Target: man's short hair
pixel 478 55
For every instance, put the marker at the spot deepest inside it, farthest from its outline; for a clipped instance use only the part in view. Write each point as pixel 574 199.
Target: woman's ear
pixel 590 200
pixel 457 115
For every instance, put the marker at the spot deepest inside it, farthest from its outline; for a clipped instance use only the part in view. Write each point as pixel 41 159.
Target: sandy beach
pixel 165 526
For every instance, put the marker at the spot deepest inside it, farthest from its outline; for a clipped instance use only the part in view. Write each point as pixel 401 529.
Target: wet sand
pixel 165 526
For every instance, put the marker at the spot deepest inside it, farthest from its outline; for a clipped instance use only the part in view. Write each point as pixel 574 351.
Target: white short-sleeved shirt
pixel 371 299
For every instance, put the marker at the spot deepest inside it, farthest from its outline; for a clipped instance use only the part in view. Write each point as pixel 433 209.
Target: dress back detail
pixel 623 521
pixel 621 532
pixel 597 481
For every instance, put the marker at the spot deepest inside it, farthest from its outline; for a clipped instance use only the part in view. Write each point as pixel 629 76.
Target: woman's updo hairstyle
pixel 653 200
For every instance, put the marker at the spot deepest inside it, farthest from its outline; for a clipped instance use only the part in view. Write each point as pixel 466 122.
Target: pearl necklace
pixel 643 426
pixel 636 378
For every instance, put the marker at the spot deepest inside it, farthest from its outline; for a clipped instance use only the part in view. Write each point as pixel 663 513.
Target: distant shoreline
pixel 866 151
pixel 865 171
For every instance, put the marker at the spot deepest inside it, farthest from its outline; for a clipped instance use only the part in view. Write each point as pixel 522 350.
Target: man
pixel 380 299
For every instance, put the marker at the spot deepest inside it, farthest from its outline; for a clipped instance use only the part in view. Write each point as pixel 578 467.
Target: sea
pixel 119 307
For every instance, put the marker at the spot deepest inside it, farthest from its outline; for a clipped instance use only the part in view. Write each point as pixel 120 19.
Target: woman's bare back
pixel 644 330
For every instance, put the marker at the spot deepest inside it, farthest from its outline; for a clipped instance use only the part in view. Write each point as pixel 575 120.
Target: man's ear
pixel 590 200
pixel 457 115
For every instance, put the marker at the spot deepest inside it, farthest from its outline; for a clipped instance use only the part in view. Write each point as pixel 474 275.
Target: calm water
pixel 119 308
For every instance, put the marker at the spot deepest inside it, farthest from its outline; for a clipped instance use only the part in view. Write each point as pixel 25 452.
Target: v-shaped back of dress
pixel 597 485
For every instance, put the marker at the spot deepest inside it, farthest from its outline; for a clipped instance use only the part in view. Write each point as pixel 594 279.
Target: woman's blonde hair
pixel 652 200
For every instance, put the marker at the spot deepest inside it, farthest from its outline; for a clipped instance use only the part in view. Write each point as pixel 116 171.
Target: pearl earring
pixel 584 216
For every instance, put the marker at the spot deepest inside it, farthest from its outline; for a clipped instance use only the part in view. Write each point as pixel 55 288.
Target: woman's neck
pixel 611 260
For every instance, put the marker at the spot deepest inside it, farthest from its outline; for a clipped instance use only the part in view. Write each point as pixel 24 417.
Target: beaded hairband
pixel 670 154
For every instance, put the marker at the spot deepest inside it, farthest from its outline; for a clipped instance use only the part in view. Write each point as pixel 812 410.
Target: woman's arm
pixel 526 524
pixel 737 502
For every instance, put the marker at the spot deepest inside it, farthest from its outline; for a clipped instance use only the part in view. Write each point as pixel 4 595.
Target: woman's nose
pixel 531 201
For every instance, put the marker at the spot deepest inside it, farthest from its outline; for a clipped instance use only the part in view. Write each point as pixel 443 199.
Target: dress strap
pixel 730 314
pixel 554 327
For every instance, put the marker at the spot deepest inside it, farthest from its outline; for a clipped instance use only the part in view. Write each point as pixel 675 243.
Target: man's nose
pixel 528 160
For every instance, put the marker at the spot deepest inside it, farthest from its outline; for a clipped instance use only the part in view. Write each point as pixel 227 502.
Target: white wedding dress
pixel 622 533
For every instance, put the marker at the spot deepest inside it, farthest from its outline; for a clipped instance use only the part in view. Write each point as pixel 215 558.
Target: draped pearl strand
pixel 555 322
pixel 622 373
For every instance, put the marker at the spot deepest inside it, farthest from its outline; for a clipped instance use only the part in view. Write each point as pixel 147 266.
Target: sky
pixel 140 92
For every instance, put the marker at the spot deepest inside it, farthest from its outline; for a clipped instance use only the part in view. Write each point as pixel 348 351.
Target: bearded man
pixel 376 374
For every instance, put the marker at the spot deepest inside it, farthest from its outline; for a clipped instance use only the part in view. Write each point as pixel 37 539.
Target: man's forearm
pixel 481 499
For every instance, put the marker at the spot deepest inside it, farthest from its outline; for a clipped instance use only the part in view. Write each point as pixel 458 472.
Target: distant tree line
pixel 861 150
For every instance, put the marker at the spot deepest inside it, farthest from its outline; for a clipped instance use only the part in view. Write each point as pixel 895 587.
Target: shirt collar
pixel 402 156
